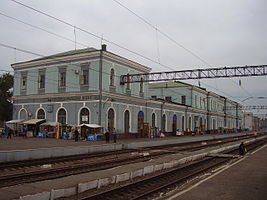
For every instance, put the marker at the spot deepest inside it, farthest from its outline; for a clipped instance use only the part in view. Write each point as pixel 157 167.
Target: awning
pixel 34 121
pixel 51 124
pixel 14 121
pixel 91 125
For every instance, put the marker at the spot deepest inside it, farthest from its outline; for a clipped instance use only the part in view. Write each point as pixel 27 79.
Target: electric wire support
pixel 223 72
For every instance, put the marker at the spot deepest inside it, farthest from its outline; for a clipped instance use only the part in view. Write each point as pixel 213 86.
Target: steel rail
pixel 145 188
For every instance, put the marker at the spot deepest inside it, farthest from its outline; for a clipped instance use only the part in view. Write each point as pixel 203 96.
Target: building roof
pixel 68 57
pixel 62 54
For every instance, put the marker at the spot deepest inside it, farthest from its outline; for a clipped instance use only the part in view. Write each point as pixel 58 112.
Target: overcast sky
pixel 219 32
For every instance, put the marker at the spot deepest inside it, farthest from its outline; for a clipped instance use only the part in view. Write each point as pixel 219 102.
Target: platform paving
pixel 18 149
pixel 19 143
pixel 73 185
pixel 246 180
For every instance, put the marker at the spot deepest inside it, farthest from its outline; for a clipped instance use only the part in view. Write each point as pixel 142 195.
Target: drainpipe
pixel 103 48
pixel 225 113
pixel 236 124
pixel 161 114
pixel 208 112
pixel 186 109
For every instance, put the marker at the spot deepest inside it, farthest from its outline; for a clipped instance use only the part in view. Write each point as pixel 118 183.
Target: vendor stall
pixel 91 132
pixel 49 130
pixel 32 127
pixel 15 125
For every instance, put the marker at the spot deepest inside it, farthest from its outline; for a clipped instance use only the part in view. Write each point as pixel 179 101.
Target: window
pixel 61 116
pixel 112 77
pixel 163 123
pixel 183 123
pixel 41 81
pixel 41 114
pixel 24 83
pixel 84 116
pixel 183 100
pixel 153 120
pixel 84 77
pixel 62 79
pixel 195 100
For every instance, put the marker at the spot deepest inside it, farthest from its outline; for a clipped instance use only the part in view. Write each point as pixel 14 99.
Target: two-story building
pixel 83 86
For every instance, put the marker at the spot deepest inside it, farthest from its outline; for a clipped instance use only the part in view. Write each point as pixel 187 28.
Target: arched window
pixel 41 114
pixel 84 116
pixel 163 123
pixel 23 114
pixel 126 121
pixel 183 123
pixel 153 120
pixel 190 123
pixel 111 116
pixel 140 123
pixel 174 123
pixel 112 77
pixel 61 116
pixel 214 124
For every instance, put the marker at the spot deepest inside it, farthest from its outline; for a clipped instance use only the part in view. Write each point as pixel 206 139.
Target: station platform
pixel 245 179
pixel 76 185
pixel 18 148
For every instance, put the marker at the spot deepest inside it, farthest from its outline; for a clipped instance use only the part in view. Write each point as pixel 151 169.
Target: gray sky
pixel 220 32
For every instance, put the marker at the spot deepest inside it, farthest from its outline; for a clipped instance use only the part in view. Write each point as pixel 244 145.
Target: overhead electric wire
pixel 18 49
pixel 115 44
pixel 163 33
pixel 90 33
pixel 42 29
pixel 170 38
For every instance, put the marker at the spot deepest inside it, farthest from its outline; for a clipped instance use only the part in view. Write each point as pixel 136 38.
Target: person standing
pixel 114 133
pixel 76 134
pixel 107 136
pixel 242 149
pixel 25 130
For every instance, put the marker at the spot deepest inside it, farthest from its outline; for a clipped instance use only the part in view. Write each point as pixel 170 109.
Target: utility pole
pixel 103 48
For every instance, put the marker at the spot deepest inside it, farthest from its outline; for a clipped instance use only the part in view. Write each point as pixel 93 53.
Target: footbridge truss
pixel 224 72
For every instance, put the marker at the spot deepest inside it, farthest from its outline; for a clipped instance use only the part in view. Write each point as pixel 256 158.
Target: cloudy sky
pixel 204 33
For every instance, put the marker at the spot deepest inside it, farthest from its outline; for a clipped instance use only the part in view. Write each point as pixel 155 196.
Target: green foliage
pixel 6 86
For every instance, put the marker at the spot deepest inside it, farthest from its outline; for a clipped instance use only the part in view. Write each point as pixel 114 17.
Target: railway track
pixel 18 174
pixel 151 187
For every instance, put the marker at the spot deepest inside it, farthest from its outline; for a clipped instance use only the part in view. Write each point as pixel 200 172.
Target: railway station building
pixel 83 87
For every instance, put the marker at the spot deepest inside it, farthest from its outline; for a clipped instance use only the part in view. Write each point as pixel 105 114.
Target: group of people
pixel 107 135
pixel 7 131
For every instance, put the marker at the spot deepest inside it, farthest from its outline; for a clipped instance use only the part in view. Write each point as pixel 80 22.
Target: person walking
pixel 107 136
pixel 76 134
pixel 9 133
pixel 242 149
pixel 114 133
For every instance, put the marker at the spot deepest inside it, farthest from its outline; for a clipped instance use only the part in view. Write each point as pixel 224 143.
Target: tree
pixel 6 92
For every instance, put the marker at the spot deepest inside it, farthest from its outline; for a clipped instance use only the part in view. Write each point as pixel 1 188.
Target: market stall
pixel 49 130
pixel 91 132
pixel 15 125
pixel 32 127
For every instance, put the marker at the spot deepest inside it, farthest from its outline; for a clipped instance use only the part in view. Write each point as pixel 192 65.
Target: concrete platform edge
pixel 82 187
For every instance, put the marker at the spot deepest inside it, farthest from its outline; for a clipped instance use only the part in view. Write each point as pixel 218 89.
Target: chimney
pixel 104 47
